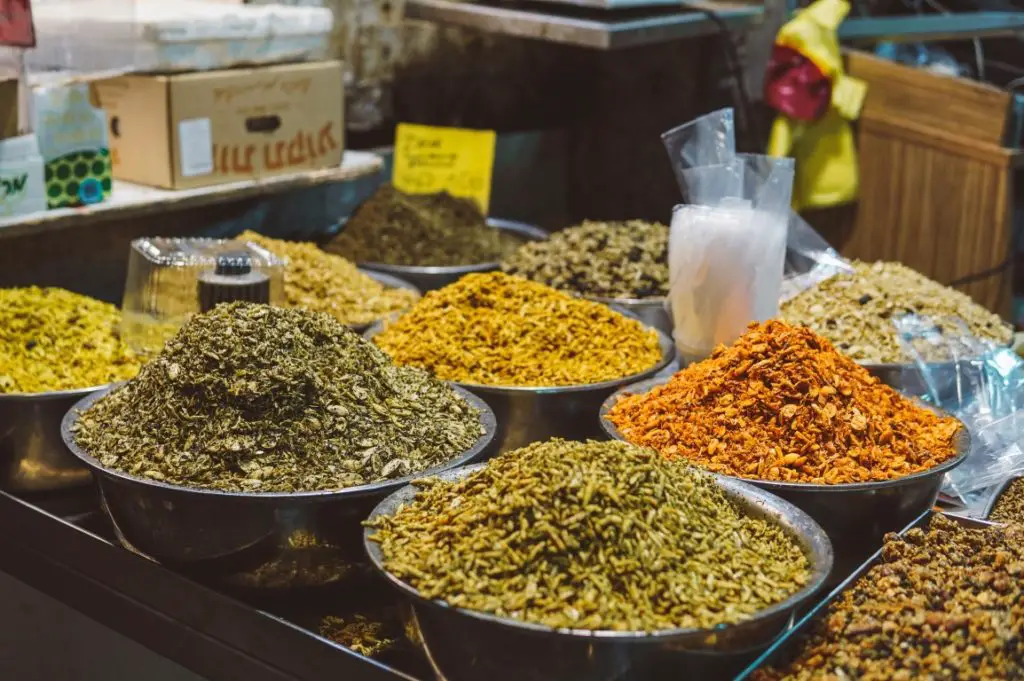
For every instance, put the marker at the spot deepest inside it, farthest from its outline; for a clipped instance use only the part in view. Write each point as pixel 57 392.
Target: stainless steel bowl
pixel 952 382
pixel 465 645
pixel 651 311
pixel 253 540
pixel 856 516
pixel 534 414
pixel 33 457
pixel 388 281
pixel 430 278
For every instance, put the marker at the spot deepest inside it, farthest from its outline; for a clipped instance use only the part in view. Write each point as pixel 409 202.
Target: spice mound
pixel 599 259
pixel 52 339
pixel 782 404
pixel 329 283
pixel 944 602
pixel 395 228
pixel 595 535
pixel 1009 507
pixel 256 398
pixel 497 329
pixel 856 312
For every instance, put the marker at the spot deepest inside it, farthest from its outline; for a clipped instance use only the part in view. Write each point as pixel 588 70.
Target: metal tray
pixel 788 644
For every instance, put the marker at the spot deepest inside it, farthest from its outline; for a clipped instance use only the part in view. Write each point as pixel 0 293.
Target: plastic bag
pixel 982 384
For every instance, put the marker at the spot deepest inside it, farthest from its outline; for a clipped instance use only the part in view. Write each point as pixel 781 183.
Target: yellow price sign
pixel 430 160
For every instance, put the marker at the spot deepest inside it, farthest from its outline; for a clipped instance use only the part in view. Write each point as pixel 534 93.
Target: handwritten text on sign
pixel 430 160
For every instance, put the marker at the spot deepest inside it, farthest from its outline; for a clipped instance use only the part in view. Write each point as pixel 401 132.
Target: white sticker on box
pixel 195 142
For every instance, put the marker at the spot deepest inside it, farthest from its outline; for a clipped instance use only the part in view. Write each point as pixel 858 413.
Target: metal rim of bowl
pixel 487 420
pixel 962 446
pixel 668 353
pixel 76 393
pixel 814 542
pixel 653 301
pixel 523 230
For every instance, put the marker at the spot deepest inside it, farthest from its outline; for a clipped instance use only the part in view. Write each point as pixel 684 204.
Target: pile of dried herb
pixel 856 312
pixel 329 283
pixel 782 404
pixel 52 339
pixel 368 637
pixel 943 603
pixel 595 535
pixel 497 329
pixel 599 260
pixel 1009 507
pixel 256 398
pixel 395 228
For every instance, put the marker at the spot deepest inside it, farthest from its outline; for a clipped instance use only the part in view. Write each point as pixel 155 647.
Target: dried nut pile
pixel 856 312
pixel 256 398
pixel 595 535
pixel 943 603
pixel 782 404
pixel 1009 507
pixel 52 339
pixel 328 283
pixel 395 228
pixel 497 329
pixel 599 260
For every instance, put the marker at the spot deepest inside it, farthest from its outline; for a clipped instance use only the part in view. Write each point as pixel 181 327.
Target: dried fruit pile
pixel 857 311
pixel 944 603
pixel 595 535
pixel 782 404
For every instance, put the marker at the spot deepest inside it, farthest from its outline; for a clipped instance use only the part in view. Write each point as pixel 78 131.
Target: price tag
pixel 430 160
pixel 16 28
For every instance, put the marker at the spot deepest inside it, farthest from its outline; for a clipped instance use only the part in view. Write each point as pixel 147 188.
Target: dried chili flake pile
pixel 944 602
pixel 782 404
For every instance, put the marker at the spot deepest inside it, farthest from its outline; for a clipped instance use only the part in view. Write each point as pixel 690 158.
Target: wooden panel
pixel 961 107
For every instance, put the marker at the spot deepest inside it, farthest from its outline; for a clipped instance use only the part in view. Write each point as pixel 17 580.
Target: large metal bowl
pixel 255 540
pixel 533 414
pixel 465 645
pixel 33 457
pixel 856 516
pixel 951 382
pixel 429 278
pixel 651 311
pixel 388 281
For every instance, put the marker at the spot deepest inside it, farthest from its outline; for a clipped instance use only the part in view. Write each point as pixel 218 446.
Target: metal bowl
pixel 254 540
pixel 532 414
pixel 856 516
pixel 33 457
pixel 427 278
pixel 467 646
pixel 952 382
pixel 388 281
pixel 651 311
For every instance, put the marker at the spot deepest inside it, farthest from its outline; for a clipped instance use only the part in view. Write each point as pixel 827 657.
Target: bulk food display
pixel 329 283
pixel 856 312
pixel 1009 507
pixel 942 602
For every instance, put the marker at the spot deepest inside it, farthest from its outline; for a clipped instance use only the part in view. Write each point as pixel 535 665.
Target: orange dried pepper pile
pixel 782 404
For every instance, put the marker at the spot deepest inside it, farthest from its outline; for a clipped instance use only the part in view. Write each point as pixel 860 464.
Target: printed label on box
pixel 430 160
pixel 196 147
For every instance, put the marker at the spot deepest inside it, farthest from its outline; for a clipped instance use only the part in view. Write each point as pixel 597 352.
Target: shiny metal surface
pixel 249 540
pixel 389 281
pixel 856 516
pixel 999 491
pixel 534 414
pixel 430 278
pixel 33 457
pixel 469 646
pixel 787 646
pixel 651 311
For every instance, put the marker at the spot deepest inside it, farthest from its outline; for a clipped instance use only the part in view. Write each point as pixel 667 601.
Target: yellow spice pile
pixel 502 330
pixel 323 282
pixel 52 339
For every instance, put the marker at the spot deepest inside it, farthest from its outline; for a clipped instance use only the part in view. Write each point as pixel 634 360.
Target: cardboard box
pixel 200 129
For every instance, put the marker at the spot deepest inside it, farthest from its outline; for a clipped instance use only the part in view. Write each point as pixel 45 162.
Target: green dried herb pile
pixel 599 259
pixel 52 339
pixel 596 535
pixel 262 399
pixel 395 228
pixel 945 602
